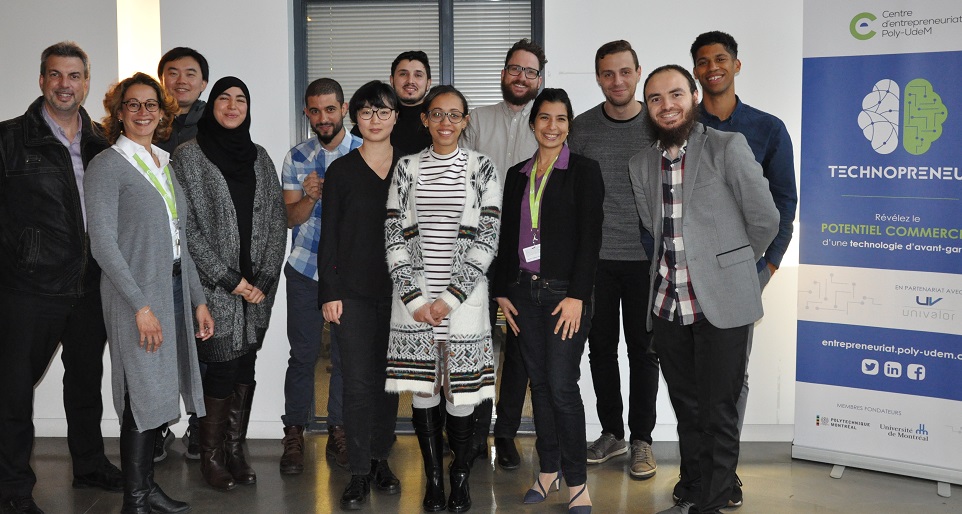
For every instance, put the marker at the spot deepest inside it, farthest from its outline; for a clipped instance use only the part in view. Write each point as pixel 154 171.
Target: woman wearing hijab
pixel 237 232
pixel 149 284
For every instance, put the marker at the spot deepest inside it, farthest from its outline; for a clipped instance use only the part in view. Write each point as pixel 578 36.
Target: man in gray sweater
pixel 611 133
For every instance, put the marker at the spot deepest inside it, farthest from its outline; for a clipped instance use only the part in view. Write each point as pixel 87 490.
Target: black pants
pixel 31 327
pixel 704 368
pixel 220 377
pixel 622 287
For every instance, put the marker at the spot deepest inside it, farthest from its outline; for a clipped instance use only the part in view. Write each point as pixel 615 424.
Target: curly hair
pixel 113 103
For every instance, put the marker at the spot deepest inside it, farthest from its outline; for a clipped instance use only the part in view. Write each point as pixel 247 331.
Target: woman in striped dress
pixel 441 234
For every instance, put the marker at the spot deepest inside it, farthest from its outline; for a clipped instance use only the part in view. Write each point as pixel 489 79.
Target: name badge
pixel 532 253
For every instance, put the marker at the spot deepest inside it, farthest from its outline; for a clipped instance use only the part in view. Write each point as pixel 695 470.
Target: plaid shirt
pixel 300 162
pixel 675 294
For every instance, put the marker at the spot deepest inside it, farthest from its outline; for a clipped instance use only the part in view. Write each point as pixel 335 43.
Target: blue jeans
pixel 554 367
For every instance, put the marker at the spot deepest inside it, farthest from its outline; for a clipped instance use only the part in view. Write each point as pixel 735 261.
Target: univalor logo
pixel 928 301
pixel 860 27
pixel 918 116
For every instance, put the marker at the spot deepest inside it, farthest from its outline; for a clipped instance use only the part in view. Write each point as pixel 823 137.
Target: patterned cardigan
pixel 412 353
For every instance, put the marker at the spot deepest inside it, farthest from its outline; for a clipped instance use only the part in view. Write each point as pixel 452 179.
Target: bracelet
pixel 145 310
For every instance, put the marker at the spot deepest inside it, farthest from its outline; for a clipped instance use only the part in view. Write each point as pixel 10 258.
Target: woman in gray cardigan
pixel 149 284
pixel 237 231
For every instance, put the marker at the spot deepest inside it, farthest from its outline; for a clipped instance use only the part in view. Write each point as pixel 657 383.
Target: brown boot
pixel 238 419
pixel 213 427
pixel 337 445
pixel 292 462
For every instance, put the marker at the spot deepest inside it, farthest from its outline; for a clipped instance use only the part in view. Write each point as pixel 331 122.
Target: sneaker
pixel 191 441
pixel 681 507
pixel 736 499
pixel 337 445
pixel 643 463
pixel 606 447
pixel 162 442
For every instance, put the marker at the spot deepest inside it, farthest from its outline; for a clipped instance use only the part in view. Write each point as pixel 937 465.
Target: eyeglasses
pixel 383 113
pixel 515 70
pixel 134 105
pixel 437 115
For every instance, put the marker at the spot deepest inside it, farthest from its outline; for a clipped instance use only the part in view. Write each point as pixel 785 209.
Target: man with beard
pixel 303 180
pixel 611 133
pixel 411 80
pixel 501 131
pixel 701 194
pixel 49 281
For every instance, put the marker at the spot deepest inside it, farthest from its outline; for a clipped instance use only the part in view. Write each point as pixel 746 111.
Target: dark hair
pixel 64 49
pixel 113 103
pixel 413 55
pixel 549 94
pixel 614 47
pixel 528 46
pixel 437 91
pixel 324 86
pixel 712 38
pixel 375 94
pixel 672 67
pixel 180 52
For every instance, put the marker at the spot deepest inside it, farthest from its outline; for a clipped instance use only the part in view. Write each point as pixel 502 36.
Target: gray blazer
pixel 130 238
pixel 729 219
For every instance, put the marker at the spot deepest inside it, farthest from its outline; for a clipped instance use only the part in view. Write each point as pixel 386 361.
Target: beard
pixel 677 135
pixel 509 96
pixel 336 129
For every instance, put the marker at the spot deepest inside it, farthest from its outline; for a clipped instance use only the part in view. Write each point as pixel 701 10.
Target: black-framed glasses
pixel 134 105
pixel 437 115
pixel 529 73
pixel 383 113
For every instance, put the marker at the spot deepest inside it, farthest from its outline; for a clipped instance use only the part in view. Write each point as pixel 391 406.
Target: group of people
pixel 409 234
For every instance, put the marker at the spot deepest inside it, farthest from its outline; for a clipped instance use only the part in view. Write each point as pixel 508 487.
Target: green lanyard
pixel 534 199
pixel 168 197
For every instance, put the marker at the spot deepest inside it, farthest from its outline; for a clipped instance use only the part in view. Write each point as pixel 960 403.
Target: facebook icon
pixel 915 372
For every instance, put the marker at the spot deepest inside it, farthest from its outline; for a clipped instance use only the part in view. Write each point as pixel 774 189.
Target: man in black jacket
pixel 49 282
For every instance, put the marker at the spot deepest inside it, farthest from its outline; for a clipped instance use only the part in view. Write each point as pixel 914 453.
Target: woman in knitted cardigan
pixel 441 233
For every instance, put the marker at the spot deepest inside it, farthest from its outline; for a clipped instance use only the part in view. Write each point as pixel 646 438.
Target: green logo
pixel 924 113
pixel 860 28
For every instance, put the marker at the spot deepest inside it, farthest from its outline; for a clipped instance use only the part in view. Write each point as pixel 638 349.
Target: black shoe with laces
pixel 383 478
pixel 107 477
pixel 24 505
pixel 356 492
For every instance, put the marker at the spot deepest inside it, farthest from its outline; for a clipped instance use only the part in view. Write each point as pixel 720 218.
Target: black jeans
pixel 370 413
pixel 622 287
pixel 554 367
pixel 704 368
pixel 32 328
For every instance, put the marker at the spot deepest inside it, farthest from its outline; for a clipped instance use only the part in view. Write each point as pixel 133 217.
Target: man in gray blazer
pixel 703 197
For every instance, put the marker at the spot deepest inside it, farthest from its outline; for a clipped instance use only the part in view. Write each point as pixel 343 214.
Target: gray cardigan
pixel 130 238
pixel 215 246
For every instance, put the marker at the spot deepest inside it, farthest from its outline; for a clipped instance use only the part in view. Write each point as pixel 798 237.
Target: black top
pixel 571 216
pixel 351 260
pixel 409 135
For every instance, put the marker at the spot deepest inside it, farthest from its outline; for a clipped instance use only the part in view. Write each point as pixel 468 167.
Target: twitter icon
pixel 870 366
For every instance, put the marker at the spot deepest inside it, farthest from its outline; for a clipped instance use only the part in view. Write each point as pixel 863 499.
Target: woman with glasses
pixel 441 233
pixel 544 278
pixel 150 289
pixel 238 232
pixel 355 288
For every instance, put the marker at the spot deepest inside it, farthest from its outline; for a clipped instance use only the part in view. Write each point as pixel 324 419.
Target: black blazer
pixel 571 216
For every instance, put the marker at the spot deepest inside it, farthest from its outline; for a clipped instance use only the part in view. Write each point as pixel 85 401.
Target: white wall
pixel 253 41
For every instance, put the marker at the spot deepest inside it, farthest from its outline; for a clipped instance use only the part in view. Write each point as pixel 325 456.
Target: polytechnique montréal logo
pixel 921 113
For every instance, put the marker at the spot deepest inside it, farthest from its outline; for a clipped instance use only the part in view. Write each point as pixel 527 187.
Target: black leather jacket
pixel 44 248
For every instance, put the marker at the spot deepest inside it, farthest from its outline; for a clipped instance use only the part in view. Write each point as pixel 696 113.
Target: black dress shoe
pixel 23 505
pixel 383 478
pixel 356 493
pixel 508 457
pixel 108 478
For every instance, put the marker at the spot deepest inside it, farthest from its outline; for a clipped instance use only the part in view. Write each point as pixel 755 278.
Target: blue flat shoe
pixel 538 495
pixel 579 509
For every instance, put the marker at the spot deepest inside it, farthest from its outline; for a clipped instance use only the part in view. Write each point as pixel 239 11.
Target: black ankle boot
pixel 427 425
pixel 460 432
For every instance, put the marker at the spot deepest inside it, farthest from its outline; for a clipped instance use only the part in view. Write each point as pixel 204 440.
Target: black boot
pixel 427 425
pixel 238 419
pixel 136 461
pixel 482 425
pixel 460 433
pixel 213 428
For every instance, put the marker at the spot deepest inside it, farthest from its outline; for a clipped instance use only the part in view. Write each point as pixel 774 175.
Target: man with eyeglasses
pixel 303 180
pixel 184 72
pixel 501 132
pixel 49 281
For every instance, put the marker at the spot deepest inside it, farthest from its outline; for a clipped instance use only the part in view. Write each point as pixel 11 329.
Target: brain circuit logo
pixel 917 116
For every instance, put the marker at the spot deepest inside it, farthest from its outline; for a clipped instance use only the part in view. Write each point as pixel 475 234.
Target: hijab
pixel 231 150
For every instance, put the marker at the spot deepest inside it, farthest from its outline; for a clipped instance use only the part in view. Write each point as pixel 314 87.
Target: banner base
pixel 943 476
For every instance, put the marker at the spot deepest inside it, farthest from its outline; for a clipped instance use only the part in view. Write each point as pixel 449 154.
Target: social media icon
pixel 915 371
pixel 893 369
pixel 870 366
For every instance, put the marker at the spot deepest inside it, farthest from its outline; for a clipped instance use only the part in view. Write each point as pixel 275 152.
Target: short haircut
pixel 437 91
pixel 413 55
pixel 375 94
pixel 614 47
pixel 673 67
pixel 64 49
pixel 324 86
pixel 528 46
pixel 550 95
pixel 113 103
pixel 712 38
pixel 181 52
